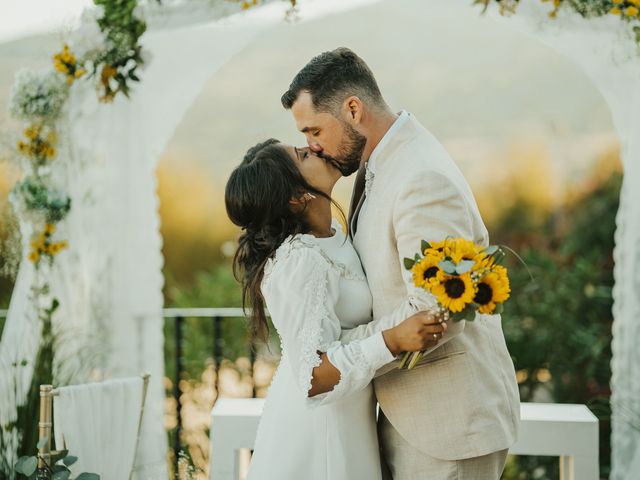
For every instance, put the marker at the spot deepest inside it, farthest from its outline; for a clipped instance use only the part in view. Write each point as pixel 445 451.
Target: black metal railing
pixel 216 317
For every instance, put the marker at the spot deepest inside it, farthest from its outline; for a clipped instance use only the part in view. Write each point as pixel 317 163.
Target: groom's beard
pixel 347 160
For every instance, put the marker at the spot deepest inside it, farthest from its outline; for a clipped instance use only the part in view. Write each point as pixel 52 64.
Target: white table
pixel 563 430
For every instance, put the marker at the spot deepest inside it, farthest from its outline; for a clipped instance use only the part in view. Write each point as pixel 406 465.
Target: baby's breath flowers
pixel 38 96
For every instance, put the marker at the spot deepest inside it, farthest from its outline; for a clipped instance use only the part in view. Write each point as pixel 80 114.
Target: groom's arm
pixel 430 207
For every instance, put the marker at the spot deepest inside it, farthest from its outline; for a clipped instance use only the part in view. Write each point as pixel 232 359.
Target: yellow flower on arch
pixel 454 292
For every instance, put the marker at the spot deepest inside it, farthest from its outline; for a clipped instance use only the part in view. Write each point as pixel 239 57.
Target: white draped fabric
pixel 98 422
pixel 606 50
pixel 109 282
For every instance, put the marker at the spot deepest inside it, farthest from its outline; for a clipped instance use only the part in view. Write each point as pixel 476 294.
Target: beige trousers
pixel 401 461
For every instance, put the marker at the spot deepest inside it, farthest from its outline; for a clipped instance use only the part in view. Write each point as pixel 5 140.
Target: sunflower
pixel 493 288
pixel 461 249
pixel 457 248
pixel 483 262
pixel 454 292
pixel 425 272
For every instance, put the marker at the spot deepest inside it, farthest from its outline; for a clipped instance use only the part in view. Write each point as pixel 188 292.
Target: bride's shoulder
pixel 293 250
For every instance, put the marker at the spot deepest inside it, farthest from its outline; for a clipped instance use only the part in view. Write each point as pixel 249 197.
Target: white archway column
pixel 606 51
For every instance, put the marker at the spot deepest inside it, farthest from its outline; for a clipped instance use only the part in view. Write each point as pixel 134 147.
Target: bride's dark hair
pixel 257 199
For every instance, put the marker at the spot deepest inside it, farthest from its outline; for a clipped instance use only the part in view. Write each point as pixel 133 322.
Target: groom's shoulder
pixel 423 154
pixel 419 147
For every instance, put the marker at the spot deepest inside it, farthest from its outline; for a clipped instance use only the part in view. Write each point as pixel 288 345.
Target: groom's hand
pixel 420 331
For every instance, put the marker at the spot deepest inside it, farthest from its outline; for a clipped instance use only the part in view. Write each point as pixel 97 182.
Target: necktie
pixel 361 189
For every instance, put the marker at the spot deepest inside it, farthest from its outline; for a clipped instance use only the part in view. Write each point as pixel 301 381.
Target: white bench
pixel 562 430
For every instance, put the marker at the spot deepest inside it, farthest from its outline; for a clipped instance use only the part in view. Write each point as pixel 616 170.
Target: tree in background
pixel 558 326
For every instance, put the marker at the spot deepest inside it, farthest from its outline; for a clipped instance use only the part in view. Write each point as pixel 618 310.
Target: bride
pixel 319 419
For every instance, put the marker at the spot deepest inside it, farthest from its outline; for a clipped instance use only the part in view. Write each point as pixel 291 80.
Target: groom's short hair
pixel 330 78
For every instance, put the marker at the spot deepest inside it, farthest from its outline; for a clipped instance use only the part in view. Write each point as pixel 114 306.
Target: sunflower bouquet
pixel 464 277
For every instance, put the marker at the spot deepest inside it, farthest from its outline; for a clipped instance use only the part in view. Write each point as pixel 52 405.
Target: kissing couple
pixel 344 306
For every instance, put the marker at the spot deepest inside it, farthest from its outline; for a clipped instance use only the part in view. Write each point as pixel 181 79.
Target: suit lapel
pixel 356 201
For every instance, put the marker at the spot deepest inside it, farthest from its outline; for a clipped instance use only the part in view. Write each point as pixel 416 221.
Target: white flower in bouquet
pixel 38 96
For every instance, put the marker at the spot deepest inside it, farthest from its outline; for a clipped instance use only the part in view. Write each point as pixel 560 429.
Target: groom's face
pixel 331 138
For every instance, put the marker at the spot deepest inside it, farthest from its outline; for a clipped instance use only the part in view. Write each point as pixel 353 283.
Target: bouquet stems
pixel 409 360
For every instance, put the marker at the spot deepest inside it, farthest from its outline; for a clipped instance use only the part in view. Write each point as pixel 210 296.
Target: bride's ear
pixel 299 200
pixel 302 199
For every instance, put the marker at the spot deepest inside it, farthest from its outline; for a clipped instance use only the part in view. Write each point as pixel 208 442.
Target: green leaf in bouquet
pixel 42 442
pixel 88 476
pixel 468 314
pixel 61 475
pixel 447 266
pixel 59 468
pixel 409 263
pixel 491 249
pixel 69 460
pixel 464 266
pixel 499 309
pixel 424 245
pixel 26 465
pixel 498 256
pixel 59 455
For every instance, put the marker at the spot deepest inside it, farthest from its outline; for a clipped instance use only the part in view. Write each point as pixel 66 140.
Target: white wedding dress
pixel 313 288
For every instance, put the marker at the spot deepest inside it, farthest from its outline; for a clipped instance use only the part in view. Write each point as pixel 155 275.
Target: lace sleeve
pixel 301 291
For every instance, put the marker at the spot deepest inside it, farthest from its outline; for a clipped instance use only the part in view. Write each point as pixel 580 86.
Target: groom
pixel 455 414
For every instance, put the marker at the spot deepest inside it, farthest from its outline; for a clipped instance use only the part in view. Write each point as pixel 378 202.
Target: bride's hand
pixel 419 332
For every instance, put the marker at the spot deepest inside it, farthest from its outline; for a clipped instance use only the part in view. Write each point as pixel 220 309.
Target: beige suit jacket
pixel 461 400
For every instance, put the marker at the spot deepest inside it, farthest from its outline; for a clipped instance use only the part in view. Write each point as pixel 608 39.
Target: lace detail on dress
pixel 283 251
pixel 306 240
pixel 310 336
pixel 345 272
pixel 360 373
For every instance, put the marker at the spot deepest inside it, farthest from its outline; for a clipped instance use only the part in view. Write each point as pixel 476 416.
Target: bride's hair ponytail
pixel 257 199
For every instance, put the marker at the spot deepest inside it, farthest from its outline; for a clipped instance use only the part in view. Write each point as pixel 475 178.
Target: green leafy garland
pixel 627 10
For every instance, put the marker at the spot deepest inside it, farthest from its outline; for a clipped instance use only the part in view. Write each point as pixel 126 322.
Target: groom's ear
pixel 353 109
